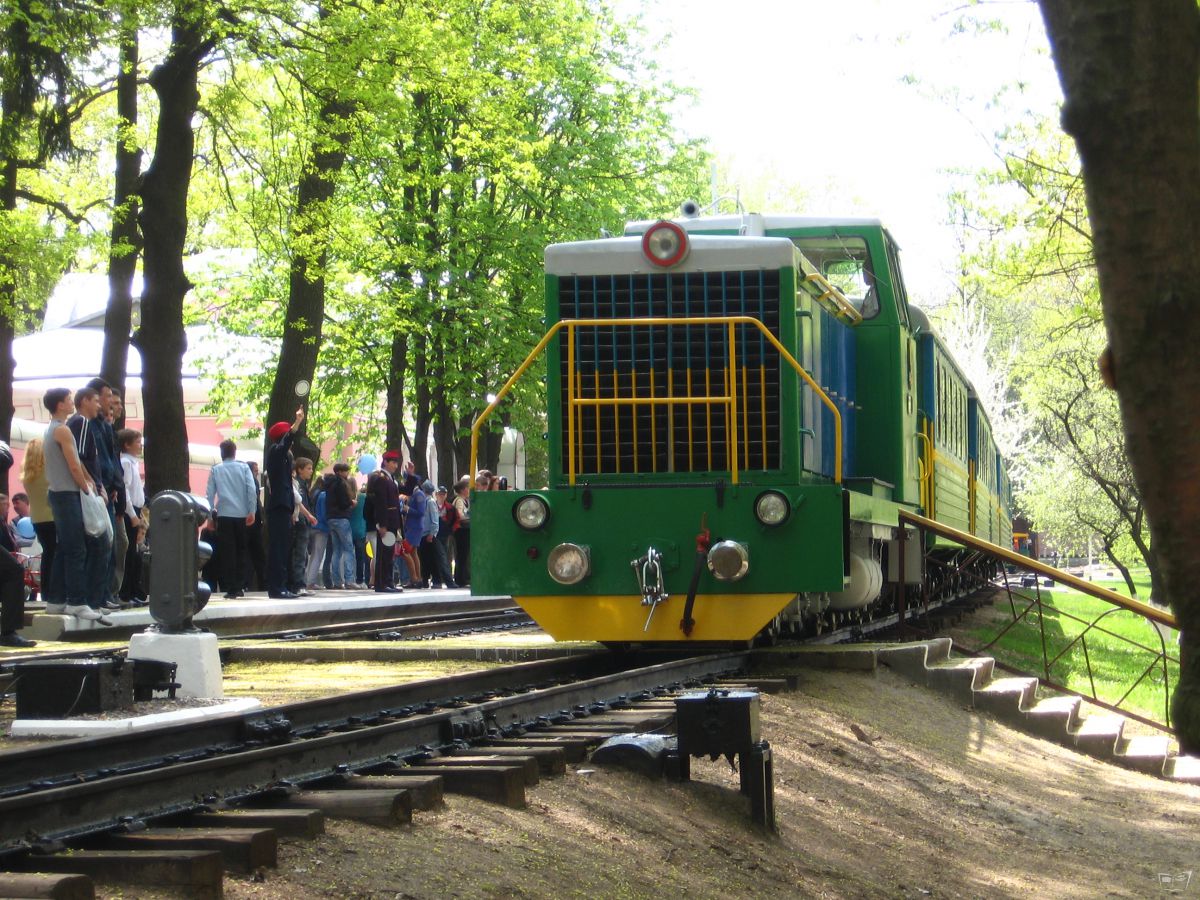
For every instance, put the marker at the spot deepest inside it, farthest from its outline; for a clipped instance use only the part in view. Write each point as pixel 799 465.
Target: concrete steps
pixel 1014 700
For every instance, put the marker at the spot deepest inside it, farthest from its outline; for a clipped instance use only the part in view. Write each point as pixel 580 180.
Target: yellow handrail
pixel 729 399
pixel 1153 613
pixel 924 470
pixel 838 298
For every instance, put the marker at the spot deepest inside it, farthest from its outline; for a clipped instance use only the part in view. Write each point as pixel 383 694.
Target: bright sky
pixel 865 106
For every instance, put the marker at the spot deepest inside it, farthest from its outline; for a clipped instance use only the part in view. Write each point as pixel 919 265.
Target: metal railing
pixel 1031 610
pixel 728 399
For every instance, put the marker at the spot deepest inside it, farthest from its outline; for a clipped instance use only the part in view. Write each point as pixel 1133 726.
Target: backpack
pixel 451 517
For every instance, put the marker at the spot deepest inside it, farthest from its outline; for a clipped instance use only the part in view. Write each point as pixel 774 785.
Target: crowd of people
pixel 328 531
pixel 84 498
pixel 287 531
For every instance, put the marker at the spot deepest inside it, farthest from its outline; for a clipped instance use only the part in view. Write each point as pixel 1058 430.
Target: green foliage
pixel 479 134
pixel 48 83
pixel 35 256
pixel 1028 266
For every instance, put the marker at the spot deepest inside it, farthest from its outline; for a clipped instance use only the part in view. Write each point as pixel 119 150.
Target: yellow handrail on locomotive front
pixel 730 399
pixel 838 298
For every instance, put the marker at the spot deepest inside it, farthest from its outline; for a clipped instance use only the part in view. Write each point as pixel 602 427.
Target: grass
pixel 287 682
pixel 1117 661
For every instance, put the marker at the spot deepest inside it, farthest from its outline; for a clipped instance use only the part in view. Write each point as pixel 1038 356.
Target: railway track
pixel 401 628
pixel 396 628
pixel 66 791
pixel 372 754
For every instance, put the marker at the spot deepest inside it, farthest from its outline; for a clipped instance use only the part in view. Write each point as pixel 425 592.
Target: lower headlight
pixel 728 560
pixel 772 508
pixel 569 563
pixel 531 512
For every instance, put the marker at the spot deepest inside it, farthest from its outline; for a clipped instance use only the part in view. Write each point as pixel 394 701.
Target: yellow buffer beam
pixel 621 618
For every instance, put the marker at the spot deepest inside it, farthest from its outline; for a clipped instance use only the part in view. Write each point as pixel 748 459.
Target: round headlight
pixel 665 244
pixel 728 560
pixel 531 512
pixel 569 563
pixel 771 508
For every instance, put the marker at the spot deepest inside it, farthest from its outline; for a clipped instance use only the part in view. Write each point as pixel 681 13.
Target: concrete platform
pixel 73 728
pixel 257 613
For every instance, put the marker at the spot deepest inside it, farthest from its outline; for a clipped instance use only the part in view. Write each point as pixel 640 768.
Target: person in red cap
pixel 280 504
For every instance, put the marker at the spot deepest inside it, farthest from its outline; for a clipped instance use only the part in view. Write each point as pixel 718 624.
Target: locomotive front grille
pixel 662 387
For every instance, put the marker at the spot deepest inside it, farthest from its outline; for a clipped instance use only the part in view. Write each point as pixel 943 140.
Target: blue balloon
pixel 367 464
pixel 25 528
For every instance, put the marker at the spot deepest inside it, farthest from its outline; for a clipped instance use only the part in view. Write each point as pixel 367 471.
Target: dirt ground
pixel 936 801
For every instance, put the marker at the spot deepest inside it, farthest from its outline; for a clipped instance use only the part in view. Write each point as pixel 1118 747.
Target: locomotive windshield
pixel 846 264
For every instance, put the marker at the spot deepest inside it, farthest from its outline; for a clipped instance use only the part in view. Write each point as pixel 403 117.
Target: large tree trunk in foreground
pixel 161 338
pixel 1131 77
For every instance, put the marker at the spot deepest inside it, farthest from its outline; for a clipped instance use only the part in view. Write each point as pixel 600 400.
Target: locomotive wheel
pixel 769 636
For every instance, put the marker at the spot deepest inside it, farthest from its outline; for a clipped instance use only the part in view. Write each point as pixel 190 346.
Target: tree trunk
pixel 1158 593
pixel 15 114
pixel 160 338
pixel 396 435
pixel 124 240
pixel 1131 78
pixel 310 254
pixel 1122 568
pixel 8 301
pixel 443 437
pixel 422 408
pixel 462 445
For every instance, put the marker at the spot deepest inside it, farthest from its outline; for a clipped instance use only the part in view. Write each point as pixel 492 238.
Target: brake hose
pixel 702 541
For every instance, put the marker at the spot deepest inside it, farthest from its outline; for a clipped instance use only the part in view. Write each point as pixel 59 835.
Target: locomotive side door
pixel 908 490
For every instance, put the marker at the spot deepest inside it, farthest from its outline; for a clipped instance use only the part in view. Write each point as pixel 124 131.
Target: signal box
pixel 176 556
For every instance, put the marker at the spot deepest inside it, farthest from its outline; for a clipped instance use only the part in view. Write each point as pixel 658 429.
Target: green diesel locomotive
pixel 739 406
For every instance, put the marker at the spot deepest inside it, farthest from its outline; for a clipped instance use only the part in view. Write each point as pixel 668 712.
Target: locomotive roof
pixel 709 253
pixel 757 223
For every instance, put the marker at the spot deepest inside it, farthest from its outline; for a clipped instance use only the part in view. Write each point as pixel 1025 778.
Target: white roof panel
pixel 708 253
pixel 751 222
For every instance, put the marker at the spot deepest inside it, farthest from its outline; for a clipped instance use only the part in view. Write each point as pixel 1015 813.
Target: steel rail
pixel 398 623
pixel 429 624
pixel 318 616
pixel 229 774
pixel 88 758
